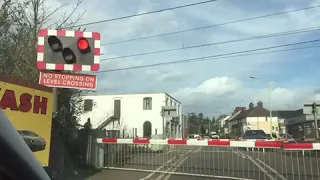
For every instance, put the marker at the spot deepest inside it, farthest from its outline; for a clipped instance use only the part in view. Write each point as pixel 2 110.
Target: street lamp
pixel 269 94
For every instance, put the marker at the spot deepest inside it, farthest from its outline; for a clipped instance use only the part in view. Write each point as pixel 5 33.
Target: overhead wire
pixel 221 56
pixel 215 25
pixel 285 33
pixel 141 14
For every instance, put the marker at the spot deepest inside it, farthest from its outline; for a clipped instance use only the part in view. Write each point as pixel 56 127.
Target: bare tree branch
pixel 71 14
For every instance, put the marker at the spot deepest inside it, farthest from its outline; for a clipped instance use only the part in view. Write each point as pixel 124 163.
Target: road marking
pixel 178 165
pixel 261 168
pixel 160 167
pixel 273 170
pixel 174 164
pixel 239 154
pixel 165 153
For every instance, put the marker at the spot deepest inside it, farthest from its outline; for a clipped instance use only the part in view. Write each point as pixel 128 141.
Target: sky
pixel 212 86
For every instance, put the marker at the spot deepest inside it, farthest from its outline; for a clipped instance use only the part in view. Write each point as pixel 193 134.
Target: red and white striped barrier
pixel 215 142
pixel 302 146
pixel 249 144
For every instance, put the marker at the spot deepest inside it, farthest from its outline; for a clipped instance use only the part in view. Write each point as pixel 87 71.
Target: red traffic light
pixel 83 45
pixel 69 56
pixel 55 44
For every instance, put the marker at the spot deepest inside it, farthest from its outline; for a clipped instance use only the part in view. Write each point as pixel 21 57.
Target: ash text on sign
pixel 24 103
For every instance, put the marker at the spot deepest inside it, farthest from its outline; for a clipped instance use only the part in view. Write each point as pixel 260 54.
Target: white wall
pixel 132 113
pixel 261 119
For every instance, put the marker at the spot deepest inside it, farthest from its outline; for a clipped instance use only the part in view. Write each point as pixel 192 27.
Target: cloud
pixel 166 76
pixel 217 85
pixel 221 94
pixel 107 86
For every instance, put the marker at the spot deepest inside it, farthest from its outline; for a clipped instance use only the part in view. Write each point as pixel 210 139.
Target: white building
pixel 135 114
pixel 222 124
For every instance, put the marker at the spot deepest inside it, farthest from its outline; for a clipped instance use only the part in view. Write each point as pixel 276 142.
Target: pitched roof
pixel 262 112
pixel 288 113
pixel 255 112
pixel 223 119
pixel 258 112
pixel 233 116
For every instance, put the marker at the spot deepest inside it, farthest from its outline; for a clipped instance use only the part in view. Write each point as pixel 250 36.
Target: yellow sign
pixel 29 108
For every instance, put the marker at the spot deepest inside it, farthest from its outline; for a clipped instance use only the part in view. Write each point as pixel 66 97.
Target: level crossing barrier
pixel 212 158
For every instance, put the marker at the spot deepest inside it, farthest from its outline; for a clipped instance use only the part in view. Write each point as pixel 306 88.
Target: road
pixel 186 162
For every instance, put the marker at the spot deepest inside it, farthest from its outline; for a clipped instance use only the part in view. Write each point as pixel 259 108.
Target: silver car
pixel 33 140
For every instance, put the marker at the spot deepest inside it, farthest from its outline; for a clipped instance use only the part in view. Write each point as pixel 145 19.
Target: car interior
pixel 16 160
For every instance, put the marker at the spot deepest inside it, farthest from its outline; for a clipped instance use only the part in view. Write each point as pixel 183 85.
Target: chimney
pixel 237 109
pixel 243 109
pixel 260 104
pixel 251 106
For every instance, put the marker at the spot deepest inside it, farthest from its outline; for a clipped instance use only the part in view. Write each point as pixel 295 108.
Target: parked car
pixel 255 134
pixel 33 140
pixel 214 135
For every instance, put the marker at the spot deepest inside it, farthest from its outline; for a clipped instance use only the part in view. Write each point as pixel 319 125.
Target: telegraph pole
pixel 163 124
pixel 315 112
pixel 209 126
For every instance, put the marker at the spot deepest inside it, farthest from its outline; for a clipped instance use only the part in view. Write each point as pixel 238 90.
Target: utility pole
pixel 209 126
pixel 315 112
pixel 270 111
pixel 163 125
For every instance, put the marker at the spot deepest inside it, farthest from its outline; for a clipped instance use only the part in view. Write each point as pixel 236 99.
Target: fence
pixel 212 158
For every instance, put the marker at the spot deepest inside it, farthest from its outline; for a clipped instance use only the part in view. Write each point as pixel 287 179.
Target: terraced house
pixel 253 118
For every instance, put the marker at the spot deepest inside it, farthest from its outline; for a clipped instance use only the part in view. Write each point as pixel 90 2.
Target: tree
pixel 202 130
pixel 200 116
pixel 213 119
pixel 222 116
pixel 20 22
pixel 197 122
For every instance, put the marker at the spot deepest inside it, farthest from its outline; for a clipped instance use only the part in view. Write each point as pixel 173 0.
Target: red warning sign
pixel 76 81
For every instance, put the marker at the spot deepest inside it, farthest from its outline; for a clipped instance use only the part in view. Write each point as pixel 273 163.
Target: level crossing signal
pixel 68 50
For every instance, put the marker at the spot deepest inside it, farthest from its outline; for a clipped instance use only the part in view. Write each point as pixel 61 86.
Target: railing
pixel 104 118
pixel 212 158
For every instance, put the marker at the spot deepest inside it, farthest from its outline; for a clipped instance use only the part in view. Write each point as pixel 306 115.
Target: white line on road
pixel 178 165
pixel 165 153
pixel 271 169
pixel 261 168
pixel 160 167
pixel 239 154
pixel 174 164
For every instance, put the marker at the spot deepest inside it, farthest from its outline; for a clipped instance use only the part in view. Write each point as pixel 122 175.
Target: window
pixel 147 103
pixel 167 101
pixel 277 129
pixel 171 103
pixel 88 103
pixel 29 133
pixel 178 109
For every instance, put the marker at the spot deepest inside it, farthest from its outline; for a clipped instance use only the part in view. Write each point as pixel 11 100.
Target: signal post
pixel 62 50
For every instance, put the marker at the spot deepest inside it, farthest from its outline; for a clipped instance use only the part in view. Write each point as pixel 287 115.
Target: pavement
pixel 190 162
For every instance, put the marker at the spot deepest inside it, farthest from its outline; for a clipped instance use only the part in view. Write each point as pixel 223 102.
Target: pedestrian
pixel 88 124
pixel 274 135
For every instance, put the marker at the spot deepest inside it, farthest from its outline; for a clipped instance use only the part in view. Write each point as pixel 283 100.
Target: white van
pixel 214 135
